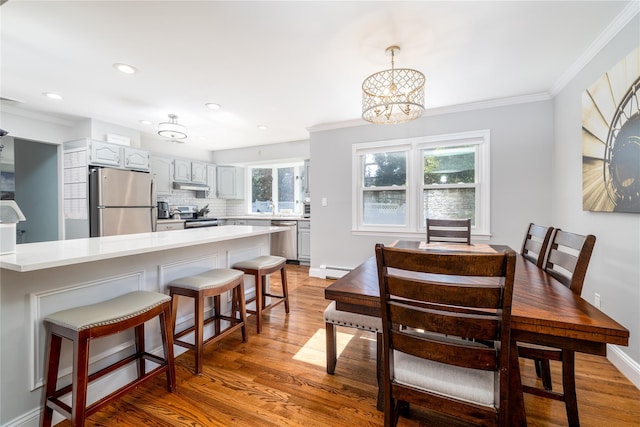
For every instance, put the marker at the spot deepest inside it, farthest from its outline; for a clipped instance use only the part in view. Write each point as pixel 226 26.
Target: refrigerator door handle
pixel 153 210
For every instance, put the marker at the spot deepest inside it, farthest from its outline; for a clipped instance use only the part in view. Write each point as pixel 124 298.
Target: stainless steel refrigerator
pixel 121 202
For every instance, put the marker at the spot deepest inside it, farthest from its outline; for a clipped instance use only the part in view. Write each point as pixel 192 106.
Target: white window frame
pixel 415 225
pixel 274 167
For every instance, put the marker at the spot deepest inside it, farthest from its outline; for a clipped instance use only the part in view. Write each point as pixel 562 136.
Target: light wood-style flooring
pixel 278 378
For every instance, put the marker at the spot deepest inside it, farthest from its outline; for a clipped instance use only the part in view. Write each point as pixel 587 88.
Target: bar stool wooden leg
pixel 139 338
pixel 199 332
pixel 166 331
pixel 81 379
pixel 260 301
pixel 285 289
pixel 52 364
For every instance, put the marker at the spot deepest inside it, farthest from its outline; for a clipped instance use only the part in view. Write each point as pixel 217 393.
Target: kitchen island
pixel 42 278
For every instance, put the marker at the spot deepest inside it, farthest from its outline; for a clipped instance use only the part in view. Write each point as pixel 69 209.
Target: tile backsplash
pixel 217 207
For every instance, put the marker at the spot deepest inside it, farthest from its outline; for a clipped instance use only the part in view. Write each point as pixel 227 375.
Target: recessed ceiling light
pixel 52 95
pixel 212 106
pixel 125 68
pixel 263 127
pixel 146 122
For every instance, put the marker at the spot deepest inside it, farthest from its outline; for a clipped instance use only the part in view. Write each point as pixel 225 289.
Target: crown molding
pixel 10 109
pixel 620 21
pixel 472 106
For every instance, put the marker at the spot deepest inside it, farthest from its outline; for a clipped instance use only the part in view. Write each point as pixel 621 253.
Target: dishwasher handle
pixel 284 223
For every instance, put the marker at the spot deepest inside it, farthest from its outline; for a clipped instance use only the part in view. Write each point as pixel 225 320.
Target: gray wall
pixel 614 270
pixel 36 177
pixel 521 155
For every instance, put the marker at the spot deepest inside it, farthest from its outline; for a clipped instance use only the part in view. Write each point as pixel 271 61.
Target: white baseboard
pixel 626 365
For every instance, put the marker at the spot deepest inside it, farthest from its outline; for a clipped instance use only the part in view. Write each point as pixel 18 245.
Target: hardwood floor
pixel 279 378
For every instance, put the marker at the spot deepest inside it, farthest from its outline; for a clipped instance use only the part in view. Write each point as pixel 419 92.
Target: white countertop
pixel 43 255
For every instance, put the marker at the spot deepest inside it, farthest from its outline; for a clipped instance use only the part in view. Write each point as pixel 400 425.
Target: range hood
pixel 190 186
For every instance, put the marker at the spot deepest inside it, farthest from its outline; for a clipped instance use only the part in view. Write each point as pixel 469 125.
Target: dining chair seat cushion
pixel 352 320
pixel 471 385
pixel 264 261
pixel 107 312
pixel 209 279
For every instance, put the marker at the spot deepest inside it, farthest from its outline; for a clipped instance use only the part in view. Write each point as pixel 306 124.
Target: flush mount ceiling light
pixel 172 129
pixel 125 68
pixel 52 95
pixel 393 96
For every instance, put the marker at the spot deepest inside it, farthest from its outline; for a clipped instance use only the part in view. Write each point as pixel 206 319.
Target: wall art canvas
pixel 611 139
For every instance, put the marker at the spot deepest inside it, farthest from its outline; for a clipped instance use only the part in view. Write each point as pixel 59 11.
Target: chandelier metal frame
pixel 393 96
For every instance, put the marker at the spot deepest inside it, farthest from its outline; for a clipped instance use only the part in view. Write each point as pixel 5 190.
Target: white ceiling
pixel 288 65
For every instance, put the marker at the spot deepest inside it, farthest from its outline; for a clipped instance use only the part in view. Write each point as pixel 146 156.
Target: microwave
pixel 306 209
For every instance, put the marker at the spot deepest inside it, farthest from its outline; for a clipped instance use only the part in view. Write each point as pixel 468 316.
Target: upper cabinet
pixel 190 171
pixel 230 182
pixel 198 172
pixel 135 158
pixel 108 154
pixel 162 170
pixel 104 153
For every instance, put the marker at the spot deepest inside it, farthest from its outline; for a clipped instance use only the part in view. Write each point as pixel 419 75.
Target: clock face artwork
pixel 611 139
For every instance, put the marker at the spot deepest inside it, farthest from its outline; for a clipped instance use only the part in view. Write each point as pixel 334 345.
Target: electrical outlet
pixel 596 300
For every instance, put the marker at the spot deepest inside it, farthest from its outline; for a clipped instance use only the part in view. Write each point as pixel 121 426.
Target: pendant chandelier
pixel 393 96
pixel 172 129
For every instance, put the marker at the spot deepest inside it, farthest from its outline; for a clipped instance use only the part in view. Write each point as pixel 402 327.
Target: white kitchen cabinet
pixel 170 225
pixel 104 153
pixel 211 181
pixel 199 172
pixel 230 182
pixel 304 241
pixel 101 153
pixel 135 158
pixel 182 170
pixel 190 171
pixel 162 170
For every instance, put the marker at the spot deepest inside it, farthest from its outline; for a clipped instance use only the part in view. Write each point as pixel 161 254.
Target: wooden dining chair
pixel 432 303
pixel 567 261
pixel 449 230
pixel 536 240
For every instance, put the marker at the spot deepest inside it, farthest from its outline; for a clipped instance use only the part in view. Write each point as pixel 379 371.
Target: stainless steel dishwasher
pixel 285 243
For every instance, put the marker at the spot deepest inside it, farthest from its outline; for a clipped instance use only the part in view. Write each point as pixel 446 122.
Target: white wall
pixel 521 152
pixel 296 150
pixel 614 270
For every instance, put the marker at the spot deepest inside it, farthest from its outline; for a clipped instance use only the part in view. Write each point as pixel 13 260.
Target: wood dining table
pixel 543 312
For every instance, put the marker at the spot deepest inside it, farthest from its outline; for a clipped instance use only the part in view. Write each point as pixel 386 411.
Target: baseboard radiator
pixel 333 272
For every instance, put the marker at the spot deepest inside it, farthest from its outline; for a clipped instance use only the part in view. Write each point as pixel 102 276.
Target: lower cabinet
pixel 172 225
pixel 304 241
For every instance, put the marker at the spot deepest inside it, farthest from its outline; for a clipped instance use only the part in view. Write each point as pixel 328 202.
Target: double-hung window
pixel 398 184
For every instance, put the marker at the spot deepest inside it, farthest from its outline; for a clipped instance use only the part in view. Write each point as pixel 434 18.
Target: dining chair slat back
pixel 567 261
pixel 449 230
pixel 535 244
pixel 446 331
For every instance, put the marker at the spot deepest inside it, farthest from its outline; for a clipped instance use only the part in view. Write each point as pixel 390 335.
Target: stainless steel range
pixel 194 217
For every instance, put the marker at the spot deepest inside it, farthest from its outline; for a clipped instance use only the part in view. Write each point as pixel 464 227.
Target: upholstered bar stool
pixel 211 283
pixel 82 324
pixel 260 267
